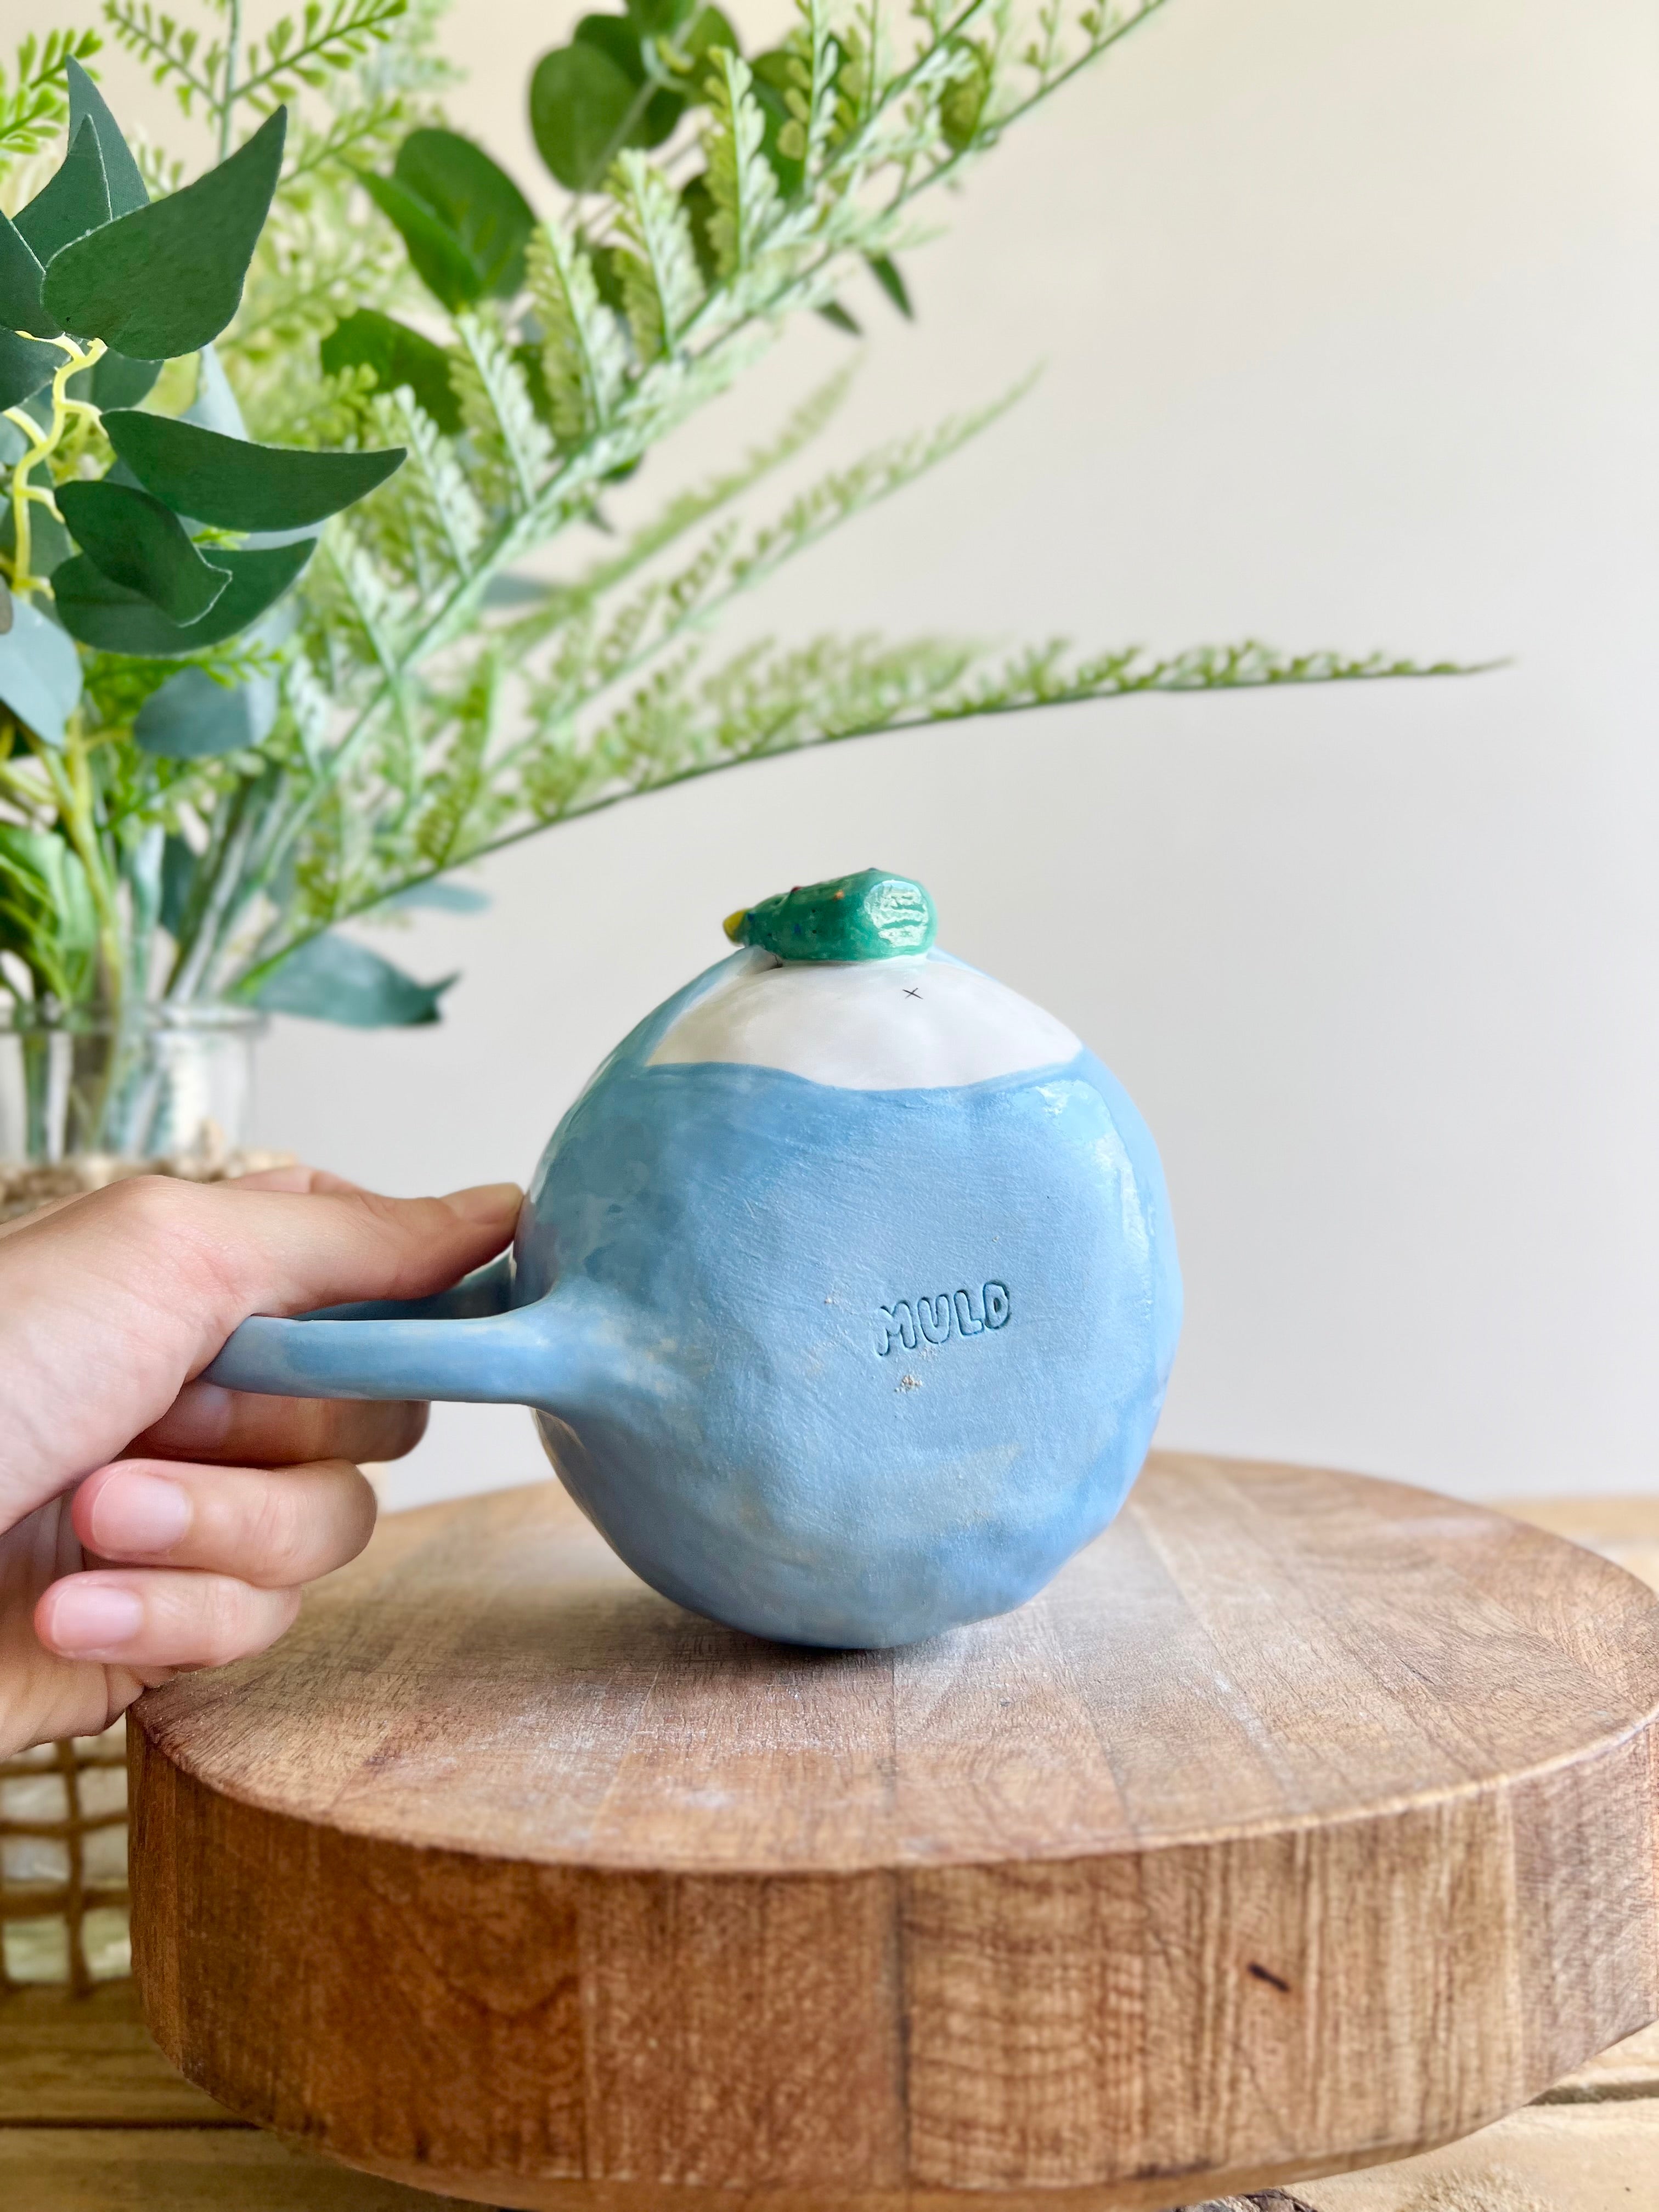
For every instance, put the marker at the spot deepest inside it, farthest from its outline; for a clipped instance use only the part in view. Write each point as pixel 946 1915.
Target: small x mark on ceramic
pixel 911 992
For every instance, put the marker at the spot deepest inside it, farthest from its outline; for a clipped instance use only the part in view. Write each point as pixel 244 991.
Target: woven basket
pixel 64 1863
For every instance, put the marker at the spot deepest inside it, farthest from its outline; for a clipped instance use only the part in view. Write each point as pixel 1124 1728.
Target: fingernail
pixel 91 1619
pixel 486 1201
pixel 139 1513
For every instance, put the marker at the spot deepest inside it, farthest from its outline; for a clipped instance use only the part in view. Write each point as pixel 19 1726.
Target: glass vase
pixel 86 1098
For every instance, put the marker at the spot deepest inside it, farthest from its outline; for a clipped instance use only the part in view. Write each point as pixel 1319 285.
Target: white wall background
pixel 1349 313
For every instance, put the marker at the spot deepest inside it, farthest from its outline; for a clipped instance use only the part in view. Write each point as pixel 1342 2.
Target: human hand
pixel 150 1523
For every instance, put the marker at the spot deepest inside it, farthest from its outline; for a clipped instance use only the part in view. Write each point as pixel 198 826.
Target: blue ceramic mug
pixel 845 1296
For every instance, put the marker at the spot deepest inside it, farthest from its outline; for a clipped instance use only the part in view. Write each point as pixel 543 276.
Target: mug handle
pixel 468 1344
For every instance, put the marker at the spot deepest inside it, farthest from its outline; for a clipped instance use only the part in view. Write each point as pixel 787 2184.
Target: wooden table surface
pixel 93 2120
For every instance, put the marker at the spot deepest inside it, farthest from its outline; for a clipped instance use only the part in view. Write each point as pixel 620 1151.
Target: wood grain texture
pixel 184 2170
pixel 89 2061
pixel 1302 1822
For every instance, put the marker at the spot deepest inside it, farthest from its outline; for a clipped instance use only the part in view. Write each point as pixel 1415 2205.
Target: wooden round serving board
pixel 1302 1822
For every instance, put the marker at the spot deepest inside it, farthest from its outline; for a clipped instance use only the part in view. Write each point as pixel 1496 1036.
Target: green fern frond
pixel 813 97
pixel 660 281
pixel 34 97
pixel 740 179
pixel 171 51
pixel 850 491
pixel 437 503
pixel 500 414
pixel 684 512
pixel 320 45
pixel 763 703
pixel 362 135
pixel 463 804
pixel 583 358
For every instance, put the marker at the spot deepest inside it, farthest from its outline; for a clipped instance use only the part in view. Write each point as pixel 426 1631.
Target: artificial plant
pixel 424 698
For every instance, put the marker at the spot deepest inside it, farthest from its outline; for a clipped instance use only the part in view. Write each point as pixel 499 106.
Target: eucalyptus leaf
pixel 477 202
pixel 507 590
pixel 440 261
pixel 396 355
pixel 838 319
pixel 39 672
pixel 74 199
pixel 178 872
pixel 236 485
pixel 165 279
pixel 439 896
pixel 137 542
pixel 126 186
pixel 114 380
pixel 194 718
pixel 216 406
pixel 334 979
pixel 581 104
pixel 709 29
pixel 619 42
pixel 22 277
pixel 49 542
pixel 659 19
pixel 25 365
pixel 113 619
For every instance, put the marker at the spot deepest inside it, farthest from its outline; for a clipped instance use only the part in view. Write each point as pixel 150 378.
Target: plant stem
pixel 43 444
pixel 233 54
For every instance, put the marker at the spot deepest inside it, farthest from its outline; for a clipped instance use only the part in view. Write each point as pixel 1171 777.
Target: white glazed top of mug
pixel 920 1024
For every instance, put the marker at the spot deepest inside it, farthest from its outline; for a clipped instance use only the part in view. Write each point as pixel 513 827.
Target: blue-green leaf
pixel 178 880
pixel 580 107
pixel 49 542
pixel 25 365
pixel 236 485
pixel 396 355
pixel 39 672
pixel 165 279
pixel 440 261
pixel 21 278
pixel 127 188
pixel 116 620
pixel 619 42
pixel 476 200
pixel 74 200
pixel 441 895
pixel 658 18
pixel 194 718
pixel 464 220
pixel 334 979
pixel 137 542
pixel 216 406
